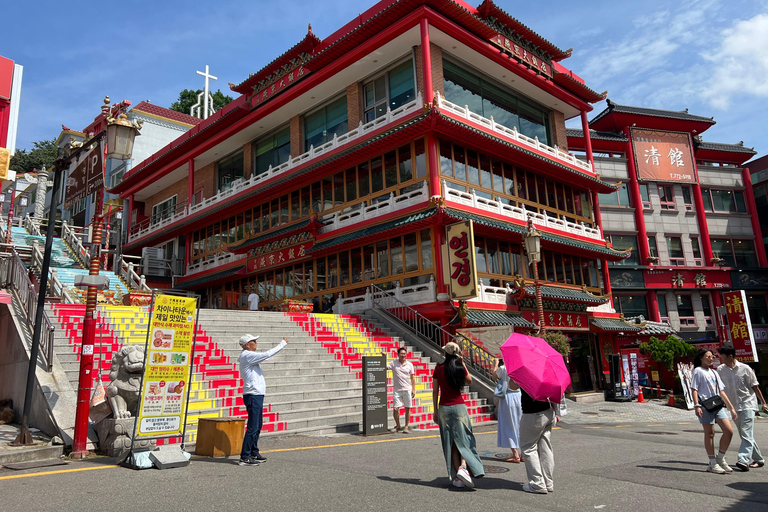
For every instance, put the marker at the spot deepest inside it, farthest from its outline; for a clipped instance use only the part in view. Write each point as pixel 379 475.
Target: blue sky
pixel 708 56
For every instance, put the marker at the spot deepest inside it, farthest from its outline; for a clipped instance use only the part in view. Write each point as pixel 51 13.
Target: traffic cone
pixel 671 402
pixel 640 398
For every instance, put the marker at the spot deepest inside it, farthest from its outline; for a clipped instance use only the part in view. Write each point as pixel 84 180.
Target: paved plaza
pixel 627 457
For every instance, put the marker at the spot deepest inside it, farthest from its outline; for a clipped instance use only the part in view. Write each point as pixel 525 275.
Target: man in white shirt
pixel 743 391
pixel 404 382
pixel 253 301
pixel 254 389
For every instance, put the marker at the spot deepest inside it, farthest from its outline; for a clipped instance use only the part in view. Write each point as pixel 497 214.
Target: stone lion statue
pixel 125 378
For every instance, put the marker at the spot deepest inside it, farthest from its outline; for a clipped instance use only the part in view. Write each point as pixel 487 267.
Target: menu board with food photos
pixel 166 372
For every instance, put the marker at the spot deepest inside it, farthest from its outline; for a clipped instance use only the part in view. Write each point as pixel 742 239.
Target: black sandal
pixel 757 464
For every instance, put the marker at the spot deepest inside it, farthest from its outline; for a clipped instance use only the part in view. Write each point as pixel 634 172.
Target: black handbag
pixel 713 403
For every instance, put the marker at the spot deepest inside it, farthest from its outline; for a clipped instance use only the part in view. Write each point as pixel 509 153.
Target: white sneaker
pixel 714 467
pixel 463 475
pixel 458 483
pixel 724 465
pixel 527 488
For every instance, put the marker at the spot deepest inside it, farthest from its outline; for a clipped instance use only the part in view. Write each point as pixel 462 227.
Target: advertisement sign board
pixel 740 326
pixel 86 175
pixel 461 260
pixel 663 156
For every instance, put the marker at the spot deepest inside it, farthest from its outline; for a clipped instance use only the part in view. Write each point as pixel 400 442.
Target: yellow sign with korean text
pixel 166 369
pixel 461 260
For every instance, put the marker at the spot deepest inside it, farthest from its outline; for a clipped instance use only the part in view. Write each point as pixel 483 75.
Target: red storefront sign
pixel 461 260
pixel 740 326
pixel 663 156
pixel 560 320
pixel 86 177
pixel 522 55
pixel 266 91
pixel 677 278
pixel 277 258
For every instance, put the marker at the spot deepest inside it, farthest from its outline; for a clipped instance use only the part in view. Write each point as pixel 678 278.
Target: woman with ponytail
pixel 450 414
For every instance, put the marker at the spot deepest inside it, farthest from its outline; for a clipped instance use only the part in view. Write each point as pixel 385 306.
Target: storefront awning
pixel 477 317
pixel 614 325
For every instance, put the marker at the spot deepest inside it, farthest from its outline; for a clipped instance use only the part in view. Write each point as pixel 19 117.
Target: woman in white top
pixel 706 383
pixel 508 413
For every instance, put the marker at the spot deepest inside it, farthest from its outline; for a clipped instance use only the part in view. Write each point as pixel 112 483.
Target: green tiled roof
pixel 372 230
pixel 614 324
pixel 515 228
pixel 497 318
pixel 567 294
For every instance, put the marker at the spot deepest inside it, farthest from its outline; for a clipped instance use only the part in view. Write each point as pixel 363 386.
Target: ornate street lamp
pixel 533 247
pixel 121 133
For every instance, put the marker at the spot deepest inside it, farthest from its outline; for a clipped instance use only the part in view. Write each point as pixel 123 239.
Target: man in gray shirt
pixel 254 389
pixel 743 391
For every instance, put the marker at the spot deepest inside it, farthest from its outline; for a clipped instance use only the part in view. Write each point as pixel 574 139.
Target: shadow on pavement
pixel 758 493
pixel 667 468
pixel 443 483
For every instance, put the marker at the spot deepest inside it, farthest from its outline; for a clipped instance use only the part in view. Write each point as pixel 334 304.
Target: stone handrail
pixel 55 286
pixel 410 295
pixel 490 124
pixel 217 261
pixel 238 186
pixel 71 237
pixel 32 227
pixel 127 272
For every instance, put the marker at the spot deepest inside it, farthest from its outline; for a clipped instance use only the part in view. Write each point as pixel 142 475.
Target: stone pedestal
pixel 115 437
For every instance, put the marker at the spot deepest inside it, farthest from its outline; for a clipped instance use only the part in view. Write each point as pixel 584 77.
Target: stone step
pixel 319 404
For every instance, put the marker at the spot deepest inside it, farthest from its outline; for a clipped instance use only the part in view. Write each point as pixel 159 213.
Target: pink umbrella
pixel 537 367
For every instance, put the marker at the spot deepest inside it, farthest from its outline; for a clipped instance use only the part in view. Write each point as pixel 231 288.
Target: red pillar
pixel 653 306
pixel 596 204
pixel 750 193
pixel 130 215
pixel 190 180
pixel 637 202
pixel 701 219
pixel 426 64
pixel 587 138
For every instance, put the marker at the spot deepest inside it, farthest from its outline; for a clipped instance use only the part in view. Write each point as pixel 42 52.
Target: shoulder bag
pixel 713 403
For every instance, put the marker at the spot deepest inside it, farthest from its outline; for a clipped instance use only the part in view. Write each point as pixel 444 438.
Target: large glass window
pixel 321 125
pixel 163 210
pixel 272 150
pixel 736 253
pixel 631 305
pixel 622 243
pixel 393 89
pixel 618 198
pixel 675 250
pixel 731 201
pixel 685 306
pixel 463 87
pixel 229 169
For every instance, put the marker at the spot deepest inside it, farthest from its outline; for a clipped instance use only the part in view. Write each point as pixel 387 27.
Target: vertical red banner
pixel 740 326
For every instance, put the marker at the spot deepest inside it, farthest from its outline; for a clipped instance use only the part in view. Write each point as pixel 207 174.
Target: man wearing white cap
pixel 254 389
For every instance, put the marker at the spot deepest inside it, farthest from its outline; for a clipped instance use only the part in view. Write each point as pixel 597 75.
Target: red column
pixel 426 58
pixel 701 219
pixel 750 193
pixel 653 307
pixel 587 138
pixel 190 180
pixel 603 263
pixel 637 202
pixel 130 215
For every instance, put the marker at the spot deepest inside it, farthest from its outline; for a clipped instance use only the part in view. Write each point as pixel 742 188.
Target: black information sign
pixel 374 394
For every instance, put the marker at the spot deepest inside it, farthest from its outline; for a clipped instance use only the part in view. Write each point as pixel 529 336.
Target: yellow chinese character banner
pixel 166 371
pixel 740 326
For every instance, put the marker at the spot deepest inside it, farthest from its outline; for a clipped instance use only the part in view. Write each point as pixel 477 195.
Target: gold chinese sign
pixel 740 326
pixel 663 156
pixel 461 260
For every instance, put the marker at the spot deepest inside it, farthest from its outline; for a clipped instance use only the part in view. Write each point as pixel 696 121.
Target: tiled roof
pixel 652 112
pixel 480 317
pixel 565 294
pixel 595 135
pixel 515 228
pixel 172 115
pixel 361 234
pixel 614 325
pixel 209 278
pixel 729 148
pixel 568 82
pixel 254 241
pixel 651 328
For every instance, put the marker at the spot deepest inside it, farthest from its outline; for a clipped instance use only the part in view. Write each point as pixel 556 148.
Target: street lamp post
pixel 533 247
pixel 119 145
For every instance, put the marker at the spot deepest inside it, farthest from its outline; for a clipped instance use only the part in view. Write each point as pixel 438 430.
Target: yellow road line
pixel 623 426
pixel 43 473
pixel 656 425
pixel 683 422
pixel 593 427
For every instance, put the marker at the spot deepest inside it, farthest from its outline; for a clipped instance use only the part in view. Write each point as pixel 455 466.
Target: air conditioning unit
pixel 152 262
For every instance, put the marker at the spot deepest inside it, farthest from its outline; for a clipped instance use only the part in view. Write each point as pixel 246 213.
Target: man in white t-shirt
pixel 404 382
pixel 253 301
pixel 743 391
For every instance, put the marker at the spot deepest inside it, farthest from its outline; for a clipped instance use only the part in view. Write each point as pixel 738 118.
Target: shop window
pixel 661 300
pixel 163 210
pixel 696 248
pixel 687 199
pixel 758 311
pixel 618 198
pixel 724 201
pixel 675 251
pixel 736 253
pixel 391 90
pixel 622 243
pixel 229 170
pixel 667 197
pixel 272 151
pixel 652 249
pixel 631 305
pixel 707 310
pixel 321 125
pixel 644 197
pixel 685 311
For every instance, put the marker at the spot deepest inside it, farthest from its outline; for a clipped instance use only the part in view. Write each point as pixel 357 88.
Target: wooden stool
pixel 220 437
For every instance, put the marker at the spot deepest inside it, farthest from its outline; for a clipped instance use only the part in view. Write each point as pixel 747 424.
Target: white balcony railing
pixel 217 261
pixel 515 212
pixel 360 212
pixel 492 294
pixel 513 134
pixel 238 186
pixel 411 295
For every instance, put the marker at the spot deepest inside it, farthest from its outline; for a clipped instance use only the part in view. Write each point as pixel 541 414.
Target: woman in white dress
pixel 508 412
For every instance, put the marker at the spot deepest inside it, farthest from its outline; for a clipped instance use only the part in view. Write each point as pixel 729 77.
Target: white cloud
pixel 741 63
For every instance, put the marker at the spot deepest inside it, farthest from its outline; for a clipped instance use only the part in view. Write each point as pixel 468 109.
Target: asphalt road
pixel 621 467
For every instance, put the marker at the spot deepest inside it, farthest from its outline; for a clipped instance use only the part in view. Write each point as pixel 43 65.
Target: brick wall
pixel 354 105
pixel 557 123
pixel 178 189
pixel 438 83
pixel 297 137
pixel 247 160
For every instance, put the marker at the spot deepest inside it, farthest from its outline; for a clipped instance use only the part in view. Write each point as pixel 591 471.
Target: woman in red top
pixel 450 414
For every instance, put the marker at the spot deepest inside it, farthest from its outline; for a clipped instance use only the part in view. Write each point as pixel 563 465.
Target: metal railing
pixel 13 277
pixel 32 227
pixel 475 357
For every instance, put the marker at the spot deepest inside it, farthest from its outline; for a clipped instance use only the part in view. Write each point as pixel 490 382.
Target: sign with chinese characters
pixel 740 326
pixel 277 82
pixel 165 384
pixel 461 260
pixel 374 394
pixel 279 256
pixel 663 156
pixel 664 278
pixel 557 320
pixel 85 177
pixel 523 55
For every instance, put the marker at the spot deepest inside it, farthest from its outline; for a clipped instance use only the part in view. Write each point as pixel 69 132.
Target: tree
pixel 558 341
pixel 188 97
pixel 43 153
pixel 665 352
